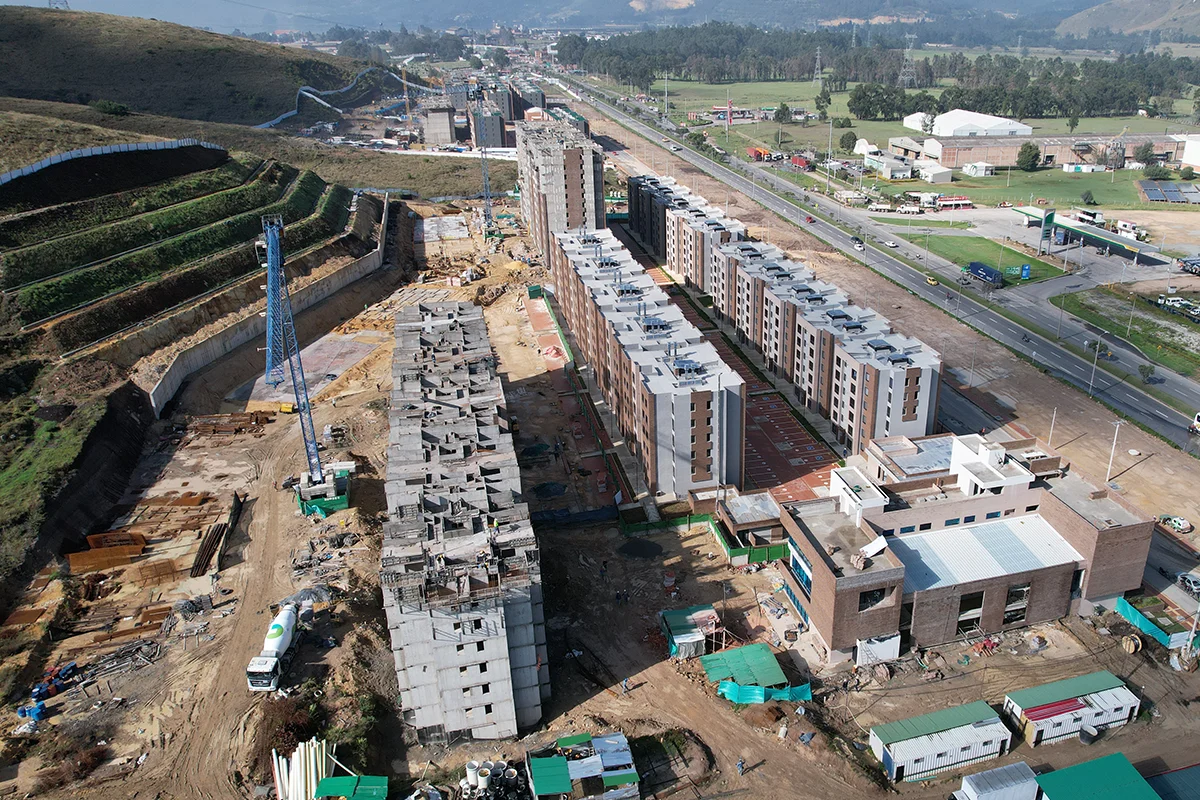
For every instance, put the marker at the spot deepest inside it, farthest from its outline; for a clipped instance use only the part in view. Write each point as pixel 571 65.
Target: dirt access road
pixel 205 713
pixel 1006 386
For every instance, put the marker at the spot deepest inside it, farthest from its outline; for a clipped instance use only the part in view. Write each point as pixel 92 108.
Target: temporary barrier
pixel 104 150
pixel 745 695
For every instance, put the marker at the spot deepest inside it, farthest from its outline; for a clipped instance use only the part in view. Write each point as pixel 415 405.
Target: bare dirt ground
pixel 1181 228
pixel 1082 429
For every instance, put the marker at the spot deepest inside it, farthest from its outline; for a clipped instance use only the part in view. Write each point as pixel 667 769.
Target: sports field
pixel 964 249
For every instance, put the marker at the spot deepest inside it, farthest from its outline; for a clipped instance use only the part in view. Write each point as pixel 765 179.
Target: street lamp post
pixel 1112 454
pixel 1061 308
pixel 1132 301
pixel 1050 438
pixel 1095 362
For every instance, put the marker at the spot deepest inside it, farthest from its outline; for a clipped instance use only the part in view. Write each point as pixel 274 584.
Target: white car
pixel 859 247
pixel 1190 583
pixel 891 244
pixel 1177 524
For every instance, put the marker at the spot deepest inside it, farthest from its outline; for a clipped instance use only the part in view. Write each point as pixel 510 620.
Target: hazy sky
pixel 219 15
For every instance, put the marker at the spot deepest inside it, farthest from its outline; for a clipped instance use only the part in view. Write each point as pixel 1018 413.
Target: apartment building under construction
pixel 561 174
pixel 460 568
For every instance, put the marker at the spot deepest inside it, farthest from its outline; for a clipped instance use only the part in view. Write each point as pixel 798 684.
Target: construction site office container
pixel 1060 710
pixel 914 749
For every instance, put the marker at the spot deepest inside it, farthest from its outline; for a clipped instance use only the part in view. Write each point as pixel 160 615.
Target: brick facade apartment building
pixel 679 406
pixel 942 535
pixel 844 362
pixel 561 174
pixel 460 565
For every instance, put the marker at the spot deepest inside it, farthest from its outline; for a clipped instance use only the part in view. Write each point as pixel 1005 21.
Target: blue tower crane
pixel 283 351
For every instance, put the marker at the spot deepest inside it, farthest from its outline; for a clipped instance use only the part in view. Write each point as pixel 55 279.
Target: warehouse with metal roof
pixel 1108 778
pixel 914 749
pixel 1010 782
pixel 1058 710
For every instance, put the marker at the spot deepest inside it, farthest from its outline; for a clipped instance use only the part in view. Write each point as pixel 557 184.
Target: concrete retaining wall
pixel 107 149
pixel 201 354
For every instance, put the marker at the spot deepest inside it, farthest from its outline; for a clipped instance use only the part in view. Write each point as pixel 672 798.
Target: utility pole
pixel 1095 362
pixel 1050 438
pixel 1132 301
pixel 1113 453
pixel 828 157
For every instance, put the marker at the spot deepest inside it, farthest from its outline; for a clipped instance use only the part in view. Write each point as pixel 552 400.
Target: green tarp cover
pixel 620 778
pixel 751 665
pixel 1065 690
pixel 936 722
pixel 1138 620
pixel 355 787
pixel 550 775
pixel 1108 778
pixel 747 695
pixel 571 741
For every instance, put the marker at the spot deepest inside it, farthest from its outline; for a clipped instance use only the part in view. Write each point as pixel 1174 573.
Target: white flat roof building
pixel 958 122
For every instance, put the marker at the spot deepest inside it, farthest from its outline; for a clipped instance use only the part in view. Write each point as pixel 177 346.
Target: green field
pixel 907 221
pixel 1151 331
pixel 1061 189
pixel 963 249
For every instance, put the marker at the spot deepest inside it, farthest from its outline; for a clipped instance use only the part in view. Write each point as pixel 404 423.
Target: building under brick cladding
pixel 680 408
pixel 561 174
pixel 460 569
pixel 938 536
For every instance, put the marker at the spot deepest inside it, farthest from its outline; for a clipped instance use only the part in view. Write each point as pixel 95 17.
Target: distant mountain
pixel 156 67
pixel 1133 16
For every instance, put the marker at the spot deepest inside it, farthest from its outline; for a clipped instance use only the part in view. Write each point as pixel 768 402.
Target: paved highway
pixel 1128 399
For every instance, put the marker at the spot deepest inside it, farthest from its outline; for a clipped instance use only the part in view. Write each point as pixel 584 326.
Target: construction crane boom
pixel 283 351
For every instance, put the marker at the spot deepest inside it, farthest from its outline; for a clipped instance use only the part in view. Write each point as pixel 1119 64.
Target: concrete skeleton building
pixel 679 406
pixel 526 94
pixel 439 123
pixel 460 569
pixel 487 126
pixel 561 174
pixel 944 535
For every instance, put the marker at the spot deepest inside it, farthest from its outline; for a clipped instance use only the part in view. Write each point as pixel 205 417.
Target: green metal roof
pixel 571 741
pixel 1065 689
pixel 935 722
pixel 679 620
pixel 550 775
pixel 750 665
pixel 1108 778
pixel 354 787
pixel 620 778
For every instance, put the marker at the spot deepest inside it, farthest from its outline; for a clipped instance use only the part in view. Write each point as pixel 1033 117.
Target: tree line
pixel 1038 88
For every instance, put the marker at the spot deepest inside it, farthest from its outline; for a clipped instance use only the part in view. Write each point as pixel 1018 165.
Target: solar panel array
pixel 1169 192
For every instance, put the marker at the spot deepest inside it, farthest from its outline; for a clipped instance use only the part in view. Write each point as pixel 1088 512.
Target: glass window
pixel 908 529
pixel 1031 509
pixel 926 526
pixel 993 515
pixel 870 598
pixel 951 522
pixel 968 519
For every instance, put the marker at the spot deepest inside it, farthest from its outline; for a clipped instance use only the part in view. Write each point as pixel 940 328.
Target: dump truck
pixel 279 646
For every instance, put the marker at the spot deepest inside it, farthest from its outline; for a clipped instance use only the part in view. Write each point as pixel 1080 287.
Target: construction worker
pixel 625 686
pixel 741 766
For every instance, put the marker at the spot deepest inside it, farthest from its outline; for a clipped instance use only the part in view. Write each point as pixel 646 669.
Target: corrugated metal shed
pixel 1010 782
pixel 934 722
pixel 1053 709
pixel 946 748
pixel 1108 778
pixel 1065 690
pixel 750 665
pixel 1180 784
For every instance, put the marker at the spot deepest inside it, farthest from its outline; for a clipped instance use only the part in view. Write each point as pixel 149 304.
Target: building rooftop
pixel 966 553
pixel 1081 496
pixel 934 722
pixel 1111 777
pixel 912 458
pixel 1178 784
pixel 1065 689
pixel 839 538
pixel 746 509
pixel 1001 782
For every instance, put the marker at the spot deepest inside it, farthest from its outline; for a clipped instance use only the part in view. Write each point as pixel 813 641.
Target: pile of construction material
pixel 297 776
pixel 230 424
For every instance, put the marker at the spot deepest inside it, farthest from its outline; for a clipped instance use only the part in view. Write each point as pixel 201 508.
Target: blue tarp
pixel 747 695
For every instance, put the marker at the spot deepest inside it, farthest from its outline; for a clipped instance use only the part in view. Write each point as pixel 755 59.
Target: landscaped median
pixel 962 250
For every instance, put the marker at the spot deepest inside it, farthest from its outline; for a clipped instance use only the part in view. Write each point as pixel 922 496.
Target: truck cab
pixel 262 674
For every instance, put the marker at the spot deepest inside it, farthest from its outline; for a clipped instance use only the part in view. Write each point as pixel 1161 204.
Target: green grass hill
pixel 156 67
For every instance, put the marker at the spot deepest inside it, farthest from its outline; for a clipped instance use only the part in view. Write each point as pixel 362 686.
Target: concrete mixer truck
pixel 279 646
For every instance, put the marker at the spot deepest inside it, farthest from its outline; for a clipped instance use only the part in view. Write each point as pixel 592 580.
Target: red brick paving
pixel 781 455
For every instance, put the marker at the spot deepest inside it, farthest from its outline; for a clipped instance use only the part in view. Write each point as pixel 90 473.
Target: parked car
pixel 891 244
pixel 1190 583
pixel 1176 524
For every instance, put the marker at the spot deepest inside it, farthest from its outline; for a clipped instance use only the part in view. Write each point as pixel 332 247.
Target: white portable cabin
pixel 1061 709
pixel 1010 782
pixel 914 749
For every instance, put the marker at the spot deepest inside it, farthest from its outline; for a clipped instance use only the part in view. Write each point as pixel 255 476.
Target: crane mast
pixel 283 351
